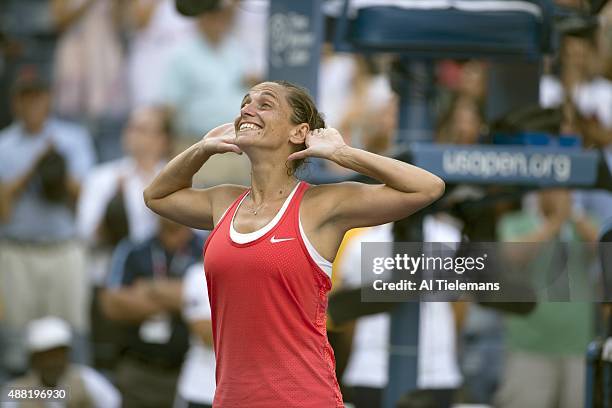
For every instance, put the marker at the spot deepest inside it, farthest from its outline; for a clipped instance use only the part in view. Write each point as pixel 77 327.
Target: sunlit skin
pixel 266 107
pixel 272 144
pixel 273 129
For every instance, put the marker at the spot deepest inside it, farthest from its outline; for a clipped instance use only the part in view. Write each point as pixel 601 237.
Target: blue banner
pixel 295 35
pixel 487 164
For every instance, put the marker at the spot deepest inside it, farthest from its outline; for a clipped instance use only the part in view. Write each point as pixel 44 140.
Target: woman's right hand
pixel 221 139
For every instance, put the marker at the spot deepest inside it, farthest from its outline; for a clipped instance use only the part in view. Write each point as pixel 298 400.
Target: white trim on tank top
pixel 323 263
pixel 245 238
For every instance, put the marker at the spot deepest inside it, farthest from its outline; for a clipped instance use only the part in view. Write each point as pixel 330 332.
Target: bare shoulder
pixel 222 196
pixel 320 200
pixel 332 191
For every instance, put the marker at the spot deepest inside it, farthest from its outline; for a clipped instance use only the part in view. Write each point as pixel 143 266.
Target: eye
pixel 265 105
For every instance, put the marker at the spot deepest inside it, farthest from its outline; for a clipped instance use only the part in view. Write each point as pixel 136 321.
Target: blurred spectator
pixel 146 142
pixel 157 30
pixel 27 36
pixel 203 85
pixel 354 97
pixel 370 109
pixel 111 208
pixel 597 97
pixel 251 30
pixel 205 80
pixel 358 101
pixel 336 78
pixel 543 369
pixel 90 73
pixel 461 81
pixel 89 60
pixel 145 292
pixel 462 124
pixel 42 162
pixel 196 387
pixel 48 342
pixel 590 92
pixel 582 90
pixel 481 334
pixel 366 374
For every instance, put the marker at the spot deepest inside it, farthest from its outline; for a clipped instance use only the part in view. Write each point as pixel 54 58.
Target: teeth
pixel 248 126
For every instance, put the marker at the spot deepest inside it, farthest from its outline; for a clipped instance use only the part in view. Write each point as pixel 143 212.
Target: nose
pixel 247 110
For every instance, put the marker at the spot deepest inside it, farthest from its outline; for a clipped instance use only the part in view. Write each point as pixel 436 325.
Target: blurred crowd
pixel 99 294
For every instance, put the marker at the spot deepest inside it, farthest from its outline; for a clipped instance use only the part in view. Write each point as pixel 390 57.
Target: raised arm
pixel 171 194
pixel 405 189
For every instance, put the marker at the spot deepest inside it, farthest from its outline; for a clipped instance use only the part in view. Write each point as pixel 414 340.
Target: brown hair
pixel 304 111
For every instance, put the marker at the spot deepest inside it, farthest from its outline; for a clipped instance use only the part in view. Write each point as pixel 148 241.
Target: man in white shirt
pixel 146 141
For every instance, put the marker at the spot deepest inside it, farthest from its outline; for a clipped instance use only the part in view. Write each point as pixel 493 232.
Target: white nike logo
pixel 274 240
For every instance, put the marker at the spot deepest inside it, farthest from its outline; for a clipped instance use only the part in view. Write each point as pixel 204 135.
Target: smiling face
pixel 276 116
pixel 265 117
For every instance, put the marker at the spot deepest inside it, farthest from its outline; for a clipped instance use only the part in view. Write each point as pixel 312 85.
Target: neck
pixel 270 182
pixel 33 128
pixel 212 37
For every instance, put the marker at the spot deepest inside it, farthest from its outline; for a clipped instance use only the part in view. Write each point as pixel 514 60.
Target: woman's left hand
pixel 322 143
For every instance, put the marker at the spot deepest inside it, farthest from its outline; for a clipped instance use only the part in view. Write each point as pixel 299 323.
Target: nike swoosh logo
pixel 274 240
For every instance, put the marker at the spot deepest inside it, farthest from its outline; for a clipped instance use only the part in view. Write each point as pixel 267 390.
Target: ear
pixel 298 133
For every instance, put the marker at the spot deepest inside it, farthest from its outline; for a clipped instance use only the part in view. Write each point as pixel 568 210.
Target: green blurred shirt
pixel 554 328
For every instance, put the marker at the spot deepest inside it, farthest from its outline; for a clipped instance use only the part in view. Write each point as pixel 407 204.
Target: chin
pixel 243 141
pixel 248 139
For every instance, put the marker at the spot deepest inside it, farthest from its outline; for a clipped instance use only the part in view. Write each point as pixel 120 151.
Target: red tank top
pixel 268 300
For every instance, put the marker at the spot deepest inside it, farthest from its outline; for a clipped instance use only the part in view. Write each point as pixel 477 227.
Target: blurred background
pixel 99 294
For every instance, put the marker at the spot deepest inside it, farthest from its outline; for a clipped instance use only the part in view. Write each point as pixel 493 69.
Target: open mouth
pixel 248 126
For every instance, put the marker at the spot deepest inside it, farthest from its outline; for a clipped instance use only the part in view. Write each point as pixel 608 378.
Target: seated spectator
pixel 196 387
pixel 42 163
pixel 48 341
pixel 145 292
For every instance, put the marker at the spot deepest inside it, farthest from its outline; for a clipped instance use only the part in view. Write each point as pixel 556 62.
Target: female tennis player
pixel 268 258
